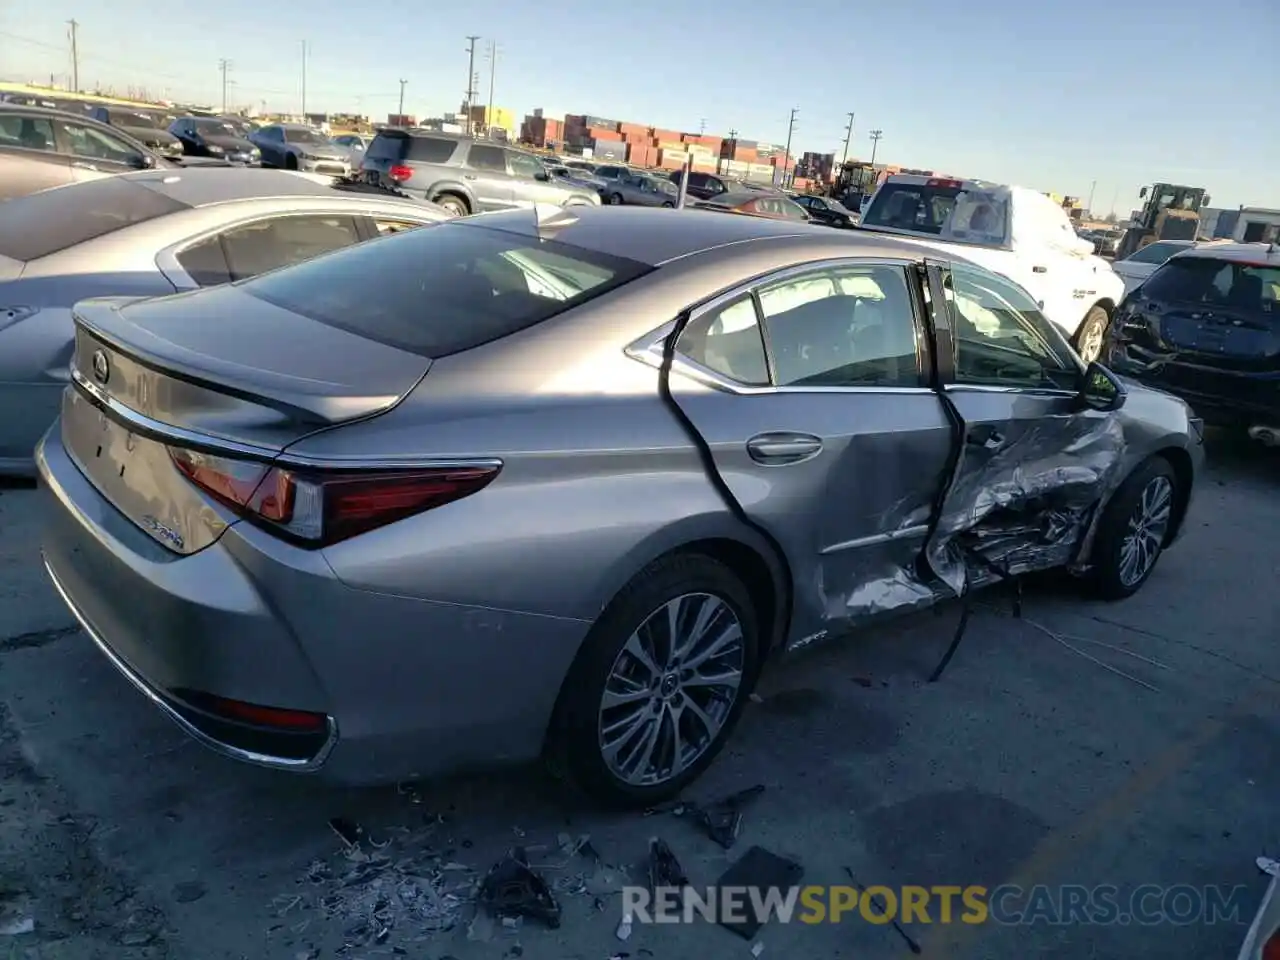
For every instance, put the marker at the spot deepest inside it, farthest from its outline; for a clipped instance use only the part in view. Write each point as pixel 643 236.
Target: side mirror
pixel 143 161
pixel 1102 389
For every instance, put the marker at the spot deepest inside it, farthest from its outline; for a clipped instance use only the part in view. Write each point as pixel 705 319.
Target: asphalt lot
pixel 1027 763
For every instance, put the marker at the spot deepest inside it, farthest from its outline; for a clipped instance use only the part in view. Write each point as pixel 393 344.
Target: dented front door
pixel 810 392
pixel 1034 460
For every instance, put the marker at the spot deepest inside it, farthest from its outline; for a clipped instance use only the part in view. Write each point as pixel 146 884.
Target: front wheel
pixel 659 684
pixel 668 204
pixel 1133 530
pixel 290 162
pixel 615 199
pixel 1092 333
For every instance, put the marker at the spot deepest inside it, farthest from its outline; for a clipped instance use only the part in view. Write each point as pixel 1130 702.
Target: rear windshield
pixel 402 146
pixel 128 118
pixel 46 222
pixel 1249 288
pixel 970 216
pixel 444 289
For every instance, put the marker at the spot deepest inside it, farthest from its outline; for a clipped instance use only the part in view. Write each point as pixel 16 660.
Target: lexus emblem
pixel 101 366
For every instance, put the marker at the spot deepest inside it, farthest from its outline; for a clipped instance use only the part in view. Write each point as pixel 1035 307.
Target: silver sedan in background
pixel 561 481
pixel 150 234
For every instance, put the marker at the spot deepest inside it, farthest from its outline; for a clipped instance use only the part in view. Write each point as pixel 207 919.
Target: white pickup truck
pixel 1014 231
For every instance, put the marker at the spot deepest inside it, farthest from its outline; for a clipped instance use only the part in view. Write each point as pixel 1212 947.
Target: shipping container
pixel 633 130
pixel 660 134
pixel 603 133
pixel 601 123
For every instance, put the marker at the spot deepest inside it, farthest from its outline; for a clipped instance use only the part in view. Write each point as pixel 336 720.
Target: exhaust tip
pixel 1270 436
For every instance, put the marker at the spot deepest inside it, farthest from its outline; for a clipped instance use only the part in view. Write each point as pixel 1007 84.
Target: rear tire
pixel 662 708
pixel 1092 334
pixel 668 204
pixel 615 199
pixel 1133 530
pixel 455 205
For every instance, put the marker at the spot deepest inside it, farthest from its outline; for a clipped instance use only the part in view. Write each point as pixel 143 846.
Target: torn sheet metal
pixel 1028 504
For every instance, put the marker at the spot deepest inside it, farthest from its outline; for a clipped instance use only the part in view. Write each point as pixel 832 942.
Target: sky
pixel 1076 97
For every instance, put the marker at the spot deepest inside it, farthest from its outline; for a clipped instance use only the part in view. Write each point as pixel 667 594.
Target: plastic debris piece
pixel 619 956
pixel 513 889
pixel 722 820
pixel 189 891
pixel 664 868
pixel 760 869
pixel 624 928
pixel 757 948
pixel 511 923
pixel 1268 866
pixel 480 929
pixel 16 928
pixel 349 833
pixel 755 698
pixel 312 954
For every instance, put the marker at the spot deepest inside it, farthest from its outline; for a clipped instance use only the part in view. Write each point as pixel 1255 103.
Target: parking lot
pixel 1030 762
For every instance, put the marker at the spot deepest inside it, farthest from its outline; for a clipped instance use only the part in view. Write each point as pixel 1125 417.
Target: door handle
pixel 468 176
pixel 1039 269
pixel 989 438
pixel 779 449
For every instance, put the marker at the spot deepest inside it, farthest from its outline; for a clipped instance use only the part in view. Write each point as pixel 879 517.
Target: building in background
pixel 497 123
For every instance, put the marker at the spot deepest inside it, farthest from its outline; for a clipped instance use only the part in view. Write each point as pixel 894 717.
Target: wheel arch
pixel 450 188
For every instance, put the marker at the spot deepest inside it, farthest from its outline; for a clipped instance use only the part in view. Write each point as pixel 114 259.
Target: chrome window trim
pixel 163 432
pixel 167 258
pixel 649 348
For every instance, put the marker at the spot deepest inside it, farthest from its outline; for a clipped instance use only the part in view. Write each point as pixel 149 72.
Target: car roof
pixel 1254 253
pixel 202 186
pixel 733 198
pixel 9 106
pixel 654 236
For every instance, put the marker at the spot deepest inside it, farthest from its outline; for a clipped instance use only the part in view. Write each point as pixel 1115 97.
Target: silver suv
pixel 463 174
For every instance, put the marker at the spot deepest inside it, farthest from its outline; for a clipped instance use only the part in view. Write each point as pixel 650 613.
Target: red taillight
pixel 1271 949
pixel 949 184
pixel 399 172
pixel 321 508
pixel 299 721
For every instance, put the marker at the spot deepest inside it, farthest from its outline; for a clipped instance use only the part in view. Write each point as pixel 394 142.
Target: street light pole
pixel 875 142
pixel 223 65
pixel 400 111
pixel 304 81
pixel 786 157
pixel 493 66
pixel 733 138
pixel 1093 185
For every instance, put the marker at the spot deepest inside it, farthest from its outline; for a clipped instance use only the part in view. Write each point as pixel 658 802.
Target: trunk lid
pixel 1220 336
pixel 221 369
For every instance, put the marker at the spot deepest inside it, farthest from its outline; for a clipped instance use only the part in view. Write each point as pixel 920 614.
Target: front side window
pixel 1002 339
pixel 525 166
pixel 481 156
pixel 93 144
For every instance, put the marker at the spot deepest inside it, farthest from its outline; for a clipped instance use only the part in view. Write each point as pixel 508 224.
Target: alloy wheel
pixel 671 689
pixel 1145 532
pixel 1091 343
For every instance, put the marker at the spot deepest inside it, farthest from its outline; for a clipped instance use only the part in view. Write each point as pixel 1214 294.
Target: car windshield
pixel 132 118
pixel 216 128
pixel 444 289
pixel 48 221
pixel 1252 289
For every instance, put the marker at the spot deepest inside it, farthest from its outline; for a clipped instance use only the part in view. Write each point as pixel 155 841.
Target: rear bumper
pixel 408 688
pixel 1220 398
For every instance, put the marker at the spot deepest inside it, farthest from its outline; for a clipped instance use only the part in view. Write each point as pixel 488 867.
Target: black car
pixel 827 211
pixel 703 186
pixel 214 137
pixel 1206 326
pixel 141 125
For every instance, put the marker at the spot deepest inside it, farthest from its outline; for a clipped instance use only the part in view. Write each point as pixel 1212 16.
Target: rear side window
pixel 1247 287
pixel 33 133
pixel 46 222
pixel 267 245
pixel 483 157
pixel 444 290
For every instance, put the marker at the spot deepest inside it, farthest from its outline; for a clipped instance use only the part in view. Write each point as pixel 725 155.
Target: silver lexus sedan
pixel 148 234
pixel 561 482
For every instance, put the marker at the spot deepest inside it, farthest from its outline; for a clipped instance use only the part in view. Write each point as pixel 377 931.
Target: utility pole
pixel 875 142
pixel 471 80
pixel 75 57
pixel 733 136
pixel 702 126
pixel 304 81
pixel 1093 185
pixel 493 66
pixel 223 65
pixel 401 110
pixel 848 134
pixel 786 156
